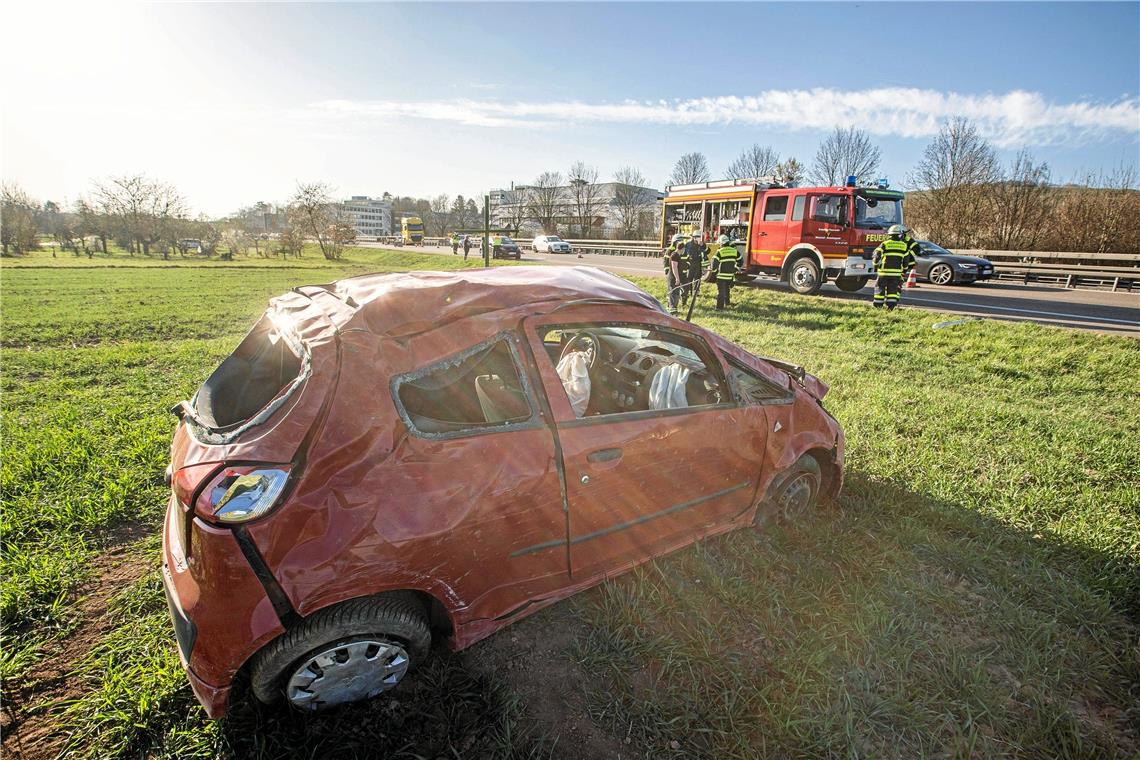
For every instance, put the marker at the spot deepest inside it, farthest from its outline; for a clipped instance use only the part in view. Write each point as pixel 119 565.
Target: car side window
pixel 608 369
pixel 478 390
pixel 753 388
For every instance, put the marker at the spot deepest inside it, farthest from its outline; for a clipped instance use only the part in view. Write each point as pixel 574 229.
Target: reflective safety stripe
pixel 727 257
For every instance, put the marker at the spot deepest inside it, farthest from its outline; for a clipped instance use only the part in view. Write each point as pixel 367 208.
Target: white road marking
pixel 921 300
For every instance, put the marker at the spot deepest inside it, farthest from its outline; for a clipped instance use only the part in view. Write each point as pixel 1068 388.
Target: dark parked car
pixel 941 267
pixel 502 247
pixel 397 458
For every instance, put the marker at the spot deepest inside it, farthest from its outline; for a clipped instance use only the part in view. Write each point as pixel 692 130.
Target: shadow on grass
pixel 446 709
pixel 893 624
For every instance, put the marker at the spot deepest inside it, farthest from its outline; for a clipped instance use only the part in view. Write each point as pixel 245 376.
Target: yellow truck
pixel 412 230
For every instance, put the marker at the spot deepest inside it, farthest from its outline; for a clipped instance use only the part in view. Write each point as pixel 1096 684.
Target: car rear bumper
pixel 220 611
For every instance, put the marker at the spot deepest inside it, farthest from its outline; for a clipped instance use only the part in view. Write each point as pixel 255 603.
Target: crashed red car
pixel 400 457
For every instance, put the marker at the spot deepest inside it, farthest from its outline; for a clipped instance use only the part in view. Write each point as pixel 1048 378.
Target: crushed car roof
pixel 404 303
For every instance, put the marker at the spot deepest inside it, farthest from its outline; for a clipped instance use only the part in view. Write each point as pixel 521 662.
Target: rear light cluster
pixel 234 493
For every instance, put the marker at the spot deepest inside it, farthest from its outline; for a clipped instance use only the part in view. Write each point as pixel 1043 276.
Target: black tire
pixel 804 276
pixel 399 617
pixel 851 284
pixel 793 493
pixel 941 274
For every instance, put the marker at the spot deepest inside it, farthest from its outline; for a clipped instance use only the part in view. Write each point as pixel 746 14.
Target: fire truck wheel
pixel 804 276
pixel 851 284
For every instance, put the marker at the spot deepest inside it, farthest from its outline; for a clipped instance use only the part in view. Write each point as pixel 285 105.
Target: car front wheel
pixel 793 493
pixel 941 274
pixel 348 652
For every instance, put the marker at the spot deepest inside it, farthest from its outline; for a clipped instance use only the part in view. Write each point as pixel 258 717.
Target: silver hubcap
pixel 795 497
pixel 346 673
pixel 802 275
pixel 940 275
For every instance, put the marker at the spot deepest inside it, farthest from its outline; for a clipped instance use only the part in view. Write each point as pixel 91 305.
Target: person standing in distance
pixel 723 264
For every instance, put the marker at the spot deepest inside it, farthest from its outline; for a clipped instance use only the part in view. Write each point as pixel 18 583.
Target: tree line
pixel 960 195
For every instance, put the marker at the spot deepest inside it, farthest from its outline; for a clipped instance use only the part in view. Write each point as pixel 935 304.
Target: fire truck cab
pixel 803 235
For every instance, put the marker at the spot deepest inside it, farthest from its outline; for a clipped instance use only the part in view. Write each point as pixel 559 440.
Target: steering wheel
pixel 582 342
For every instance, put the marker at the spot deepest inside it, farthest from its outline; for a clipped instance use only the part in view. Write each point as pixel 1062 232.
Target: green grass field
pixel 975 592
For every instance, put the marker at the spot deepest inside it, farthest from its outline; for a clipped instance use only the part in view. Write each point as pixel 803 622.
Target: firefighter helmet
pixel 677 238
pixel 897 229
pixel 724 240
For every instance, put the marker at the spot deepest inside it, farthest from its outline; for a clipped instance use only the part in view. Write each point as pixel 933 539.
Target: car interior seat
pixel 498 402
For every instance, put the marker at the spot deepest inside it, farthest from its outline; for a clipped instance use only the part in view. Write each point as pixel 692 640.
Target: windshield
pixel 877 213
pixel 554 239
pixel 507 240
pixel 929 248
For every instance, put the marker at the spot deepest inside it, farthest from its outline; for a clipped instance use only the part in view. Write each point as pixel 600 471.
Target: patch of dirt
pixel 533 658
pixel 31 706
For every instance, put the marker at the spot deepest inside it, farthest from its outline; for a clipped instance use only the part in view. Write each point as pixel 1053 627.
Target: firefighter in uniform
pixel 892 259
pixel 723 266
pixel 675 268
pixel 698 255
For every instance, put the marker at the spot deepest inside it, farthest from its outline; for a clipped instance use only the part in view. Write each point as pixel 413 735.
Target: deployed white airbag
pixel 574 371
pixel 667 391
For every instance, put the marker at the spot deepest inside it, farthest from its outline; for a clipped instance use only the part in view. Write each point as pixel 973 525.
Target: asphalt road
pixel 1096 310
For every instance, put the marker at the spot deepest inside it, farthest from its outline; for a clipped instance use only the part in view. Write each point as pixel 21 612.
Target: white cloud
pixel 1011 119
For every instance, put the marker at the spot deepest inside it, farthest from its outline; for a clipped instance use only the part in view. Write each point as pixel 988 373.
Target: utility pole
pixel 486 230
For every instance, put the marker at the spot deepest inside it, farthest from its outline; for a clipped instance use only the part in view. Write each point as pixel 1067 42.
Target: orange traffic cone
pixel 912 280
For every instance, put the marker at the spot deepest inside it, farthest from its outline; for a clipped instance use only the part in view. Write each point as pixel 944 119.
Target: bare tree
pixel 460 218
pixel 146 209
pixel 439 214
pixel 690 168
pixel 291 238
pixel 753 163
pixel 843 153
pixel 954 178
pixel 543 201
pixel 633 201
pixel 790 172
pixel 1099 213
pixel 314 203
pixel 1022 205
pixel 17 220
pixel 586 197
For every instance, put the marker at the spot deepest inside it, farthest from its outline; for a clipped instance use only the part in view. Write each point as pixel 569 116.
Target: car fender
pixel 796 429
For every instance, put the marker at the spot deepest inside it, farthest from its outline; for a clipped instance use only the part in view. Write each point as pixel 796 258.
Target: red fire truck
pixel 803 235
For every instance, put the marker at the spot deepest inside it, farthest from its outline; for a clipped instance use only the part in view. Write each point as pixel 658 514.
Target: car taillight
pixel 240 493
pixel 185 481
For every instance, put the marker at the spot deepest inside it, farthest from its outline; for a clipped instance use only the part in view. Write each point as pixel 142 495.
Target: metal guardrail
pixel 1072 269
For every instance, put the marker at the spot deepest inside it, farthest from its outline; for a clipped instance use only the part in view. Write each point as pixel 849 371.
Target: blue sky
pixel 235 103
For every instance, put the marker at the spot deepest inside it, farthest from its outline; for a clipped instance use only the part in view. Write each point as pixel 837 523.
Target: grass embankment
pixel 975 591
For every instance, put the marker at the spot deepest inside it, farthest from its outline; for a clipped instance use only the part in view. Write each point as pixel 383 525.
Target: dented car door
pixel 640 482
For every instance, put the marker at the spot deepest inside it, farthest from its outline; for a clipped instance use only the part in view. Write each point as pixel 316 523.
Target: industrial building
pixel 609 204
pixel 371 217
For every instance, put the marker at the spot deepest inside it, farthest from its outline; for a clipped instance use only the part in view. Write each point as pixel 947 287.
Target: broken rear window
pixel 268 364
pixel 480 388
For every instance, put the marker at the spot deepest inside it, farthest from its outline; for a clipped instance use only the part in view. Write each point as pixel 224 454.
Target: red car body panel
pixel 492 526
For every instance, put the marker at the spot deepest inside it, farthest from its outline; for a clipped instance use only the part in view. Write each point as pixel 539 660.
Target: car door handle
pixel 603 455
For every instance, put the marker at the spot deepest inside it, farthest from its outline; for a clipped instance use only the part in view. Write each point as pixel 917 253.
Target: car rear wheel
pixel 793 494
pixel 348 652
pixel 804 276
pixel 941 274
